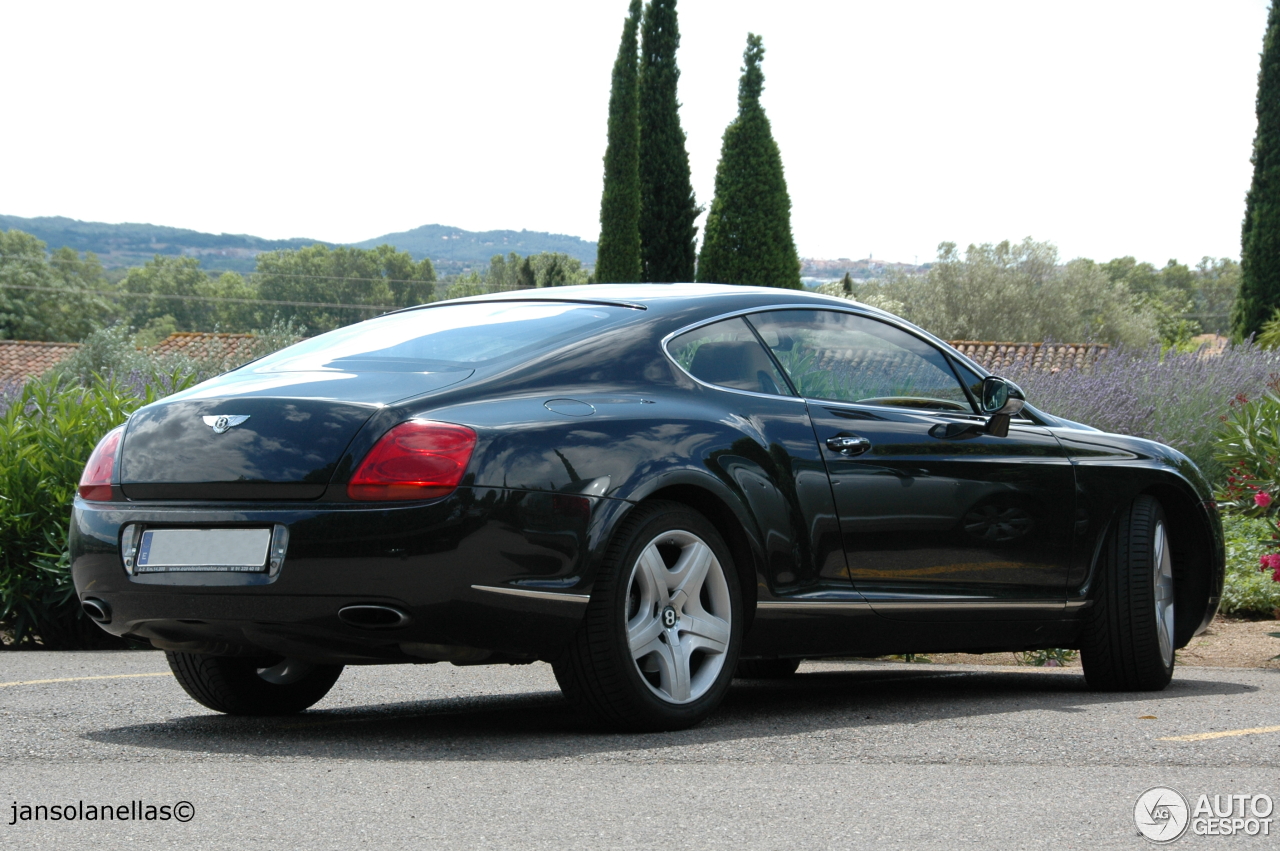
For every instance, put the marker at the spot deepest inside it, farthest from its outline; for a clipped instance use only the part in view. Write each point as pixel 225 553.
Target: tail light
pixel 95 482
pixel 419 459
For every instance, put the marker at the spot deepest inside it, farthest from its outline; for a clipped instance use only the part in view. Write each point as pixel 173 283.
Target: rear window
pixel 446 337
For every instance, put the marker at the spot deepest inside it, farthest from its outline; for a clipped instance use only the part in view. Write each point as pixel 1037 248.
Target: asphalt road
pixel 844 755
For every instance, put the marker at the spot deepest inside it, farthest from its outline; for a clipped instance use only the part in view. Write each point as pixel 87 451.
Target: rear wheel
pixel 1127 643
pixel 252 686
pixel 766 669
pixel 660 640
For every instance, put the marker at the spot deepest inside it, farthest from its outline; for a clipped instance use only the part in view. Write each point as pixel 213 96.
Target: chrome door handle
pixel 848 445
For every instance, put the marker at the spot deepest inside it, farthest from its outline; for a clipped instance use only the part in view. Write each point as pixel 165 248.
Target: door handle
pixel 848 445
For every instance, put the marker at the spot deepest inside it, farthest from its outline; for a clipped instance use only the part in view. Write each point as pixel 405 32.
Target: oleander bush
pixel 47 431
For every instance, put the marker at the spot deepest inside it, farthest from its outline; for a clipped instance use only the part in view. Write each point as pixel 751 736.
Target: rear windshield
pixel 446 337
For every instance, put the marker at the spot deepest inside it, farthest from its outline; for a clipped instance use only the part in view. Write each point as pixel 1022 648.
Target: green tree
pixel 169 286
pixel 379 277
pixel 748 235
pixel 618 254
pixel 48 298
pixel 1016 292
pixel 668 209
pixel 1260 235
pixel 1217 285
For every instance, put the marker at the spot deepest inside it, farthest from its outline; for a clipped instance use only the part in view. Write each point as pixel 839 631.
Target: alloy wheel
pixel 678 616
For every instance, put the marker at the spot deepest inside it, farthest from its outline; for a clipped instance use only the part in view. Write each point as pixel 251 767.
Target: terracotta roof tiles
pixel 22 359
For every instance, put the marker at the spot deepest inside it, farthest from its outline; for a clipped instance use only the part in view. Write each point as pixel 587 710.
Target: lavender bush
pixel 1176 398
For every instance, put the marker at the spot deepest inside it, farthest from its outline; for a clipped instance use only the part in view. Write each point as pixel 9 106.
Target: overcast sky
pixel 1109 128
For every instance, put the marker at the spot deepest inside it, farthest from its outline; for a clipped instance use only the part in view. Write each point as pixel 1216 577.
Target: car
pixel 652 487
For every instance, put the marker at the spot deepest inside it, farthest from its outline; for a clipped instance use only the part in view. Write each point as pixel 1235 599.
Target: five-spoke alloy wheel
pixel 660 641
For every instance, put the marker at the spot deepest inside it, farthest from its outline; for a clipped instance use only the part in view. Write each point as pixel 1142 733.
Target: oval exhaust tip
pixel 373 616
pixel 96 609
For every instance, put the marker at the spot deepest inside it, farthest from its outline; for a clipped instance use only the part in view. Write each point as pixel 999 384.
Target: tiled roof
pixel 1050 356
pixel 21 359
pixel 200 345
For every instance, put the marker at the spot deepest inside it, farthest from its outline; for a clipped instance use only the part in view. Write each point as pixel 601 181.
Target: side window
pixel 849 358
pixel 728 354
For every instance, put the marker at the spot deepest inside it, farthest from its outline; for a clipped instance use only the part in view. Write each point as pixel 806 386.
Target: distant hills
pixel 451 249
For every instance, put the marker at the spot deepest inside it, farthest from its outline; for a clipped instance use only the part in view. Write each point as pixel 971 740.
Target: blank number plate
pixel 212 550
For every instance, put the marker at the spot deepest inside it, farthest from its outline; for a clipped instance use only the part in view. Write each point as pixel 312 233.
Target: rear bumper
pixel 450 565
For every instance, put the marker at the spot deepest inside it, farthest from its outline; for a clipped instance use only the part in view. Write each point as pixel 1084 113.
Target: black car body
pixel 929 535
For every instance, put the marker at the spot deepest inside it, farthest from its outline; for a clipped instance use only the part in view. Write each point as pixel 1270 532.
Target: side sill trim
pixel 557 596
pixel 966 605
pixel 812 606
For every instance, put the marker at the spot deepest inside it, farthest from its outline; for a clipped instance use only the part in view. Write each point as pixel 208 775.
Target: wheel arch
pixel 1195 589
pixel 1197 569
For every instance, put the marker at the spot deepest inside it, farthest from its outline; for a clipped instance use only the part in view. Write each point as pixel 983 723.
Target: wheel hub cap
pixel 678 618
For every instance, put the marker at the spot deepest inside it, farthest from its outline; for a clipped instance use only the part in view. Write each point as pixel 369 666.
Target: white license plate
pixel 194 550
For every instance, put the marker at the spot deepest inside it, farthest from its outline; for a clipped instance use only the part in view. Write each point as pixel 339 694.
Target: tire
pixel 766 669
pixel 660 640
pixel 1127 641
pixel 252 686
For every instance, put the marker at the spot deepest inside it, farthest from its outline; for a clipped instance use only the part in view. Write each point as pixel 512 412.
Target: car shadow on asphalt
pixel 541 725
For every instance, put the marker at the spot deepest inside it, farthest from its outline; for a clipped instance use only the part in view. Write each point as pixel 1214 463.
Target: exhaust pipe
pixel 96 609
pixel 373 616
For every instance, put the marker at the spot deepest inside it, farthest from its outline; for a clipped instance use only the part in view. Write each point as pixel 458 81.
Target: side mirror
pixel 1000 399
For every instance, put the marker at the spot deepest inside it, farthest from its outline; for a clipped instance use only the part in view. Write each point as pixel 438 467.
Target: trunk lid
pixel 252 435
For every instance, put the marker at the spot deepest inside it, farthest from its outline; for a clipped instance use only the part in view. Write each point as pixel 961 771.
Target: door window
pixel 728 354
pixel 848 358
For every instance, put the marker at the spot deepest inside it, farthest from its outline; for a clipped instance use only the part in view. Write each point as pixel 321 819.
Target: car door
pixel 939 520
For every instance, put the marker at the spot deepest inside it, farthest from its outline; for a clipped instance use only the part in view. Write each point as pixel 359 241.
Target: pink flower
pixel 1262 499
pixel 1270 561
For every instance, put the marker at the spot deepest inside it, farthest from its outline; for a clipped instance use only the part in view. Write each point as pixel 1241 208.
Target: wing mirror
pixel 1000 399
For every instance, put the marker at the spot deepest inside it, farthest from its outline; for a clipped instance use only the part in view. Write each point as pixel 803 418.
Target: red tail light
pixel 415 460
pixel 95 482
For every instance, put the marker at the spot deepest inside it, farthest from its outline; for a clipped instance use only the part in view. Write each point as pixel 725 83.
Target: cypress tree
pixel 667 206
pixel 618 257
pixel 1260 237
pixel 748 236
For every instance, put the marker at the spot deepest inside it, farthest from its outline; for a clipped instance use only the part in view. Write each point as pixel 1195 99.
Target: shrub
pixel 1249 449
pixel 46 434
pixel 1250 588
pixel 1176 398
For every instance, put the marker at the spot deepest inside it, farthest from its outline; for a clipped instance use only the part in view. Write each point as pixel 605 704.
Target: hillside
pixel 119 245
pixel 134 244
pixel 447 245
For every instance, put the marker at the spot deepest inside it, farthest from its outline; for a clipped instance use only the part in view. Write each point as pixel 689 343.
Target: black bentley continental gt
pixel 654 488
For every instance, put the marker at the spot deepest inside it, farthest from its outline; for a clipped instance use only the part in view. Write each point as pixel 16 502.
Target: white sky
pixel 1110 128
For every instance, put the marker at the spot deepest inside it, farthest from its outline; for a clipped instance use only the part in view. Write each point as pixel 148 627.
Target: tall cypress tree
pixel 667 206
pixel 748 236
pixel 1260 237
pixel 618 257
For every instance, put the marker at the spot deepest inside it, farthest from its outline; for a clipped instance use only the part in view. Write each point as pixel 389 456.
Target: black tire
pixel 236 685
pixel 1127 640
pixel 684 678
pixel 766 669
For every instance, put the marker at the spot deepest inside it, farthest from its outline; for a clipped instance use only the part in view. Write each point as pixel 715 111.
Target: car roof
pixel 659 296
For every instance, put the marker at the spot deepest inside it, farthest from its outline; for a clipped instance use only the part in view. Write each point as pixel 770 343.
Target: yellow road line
pixel 1200 737
pixel 79 679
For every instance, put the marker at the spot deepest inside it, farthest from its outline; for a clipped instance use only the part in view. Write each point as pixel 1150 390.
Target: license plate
pixel 210 550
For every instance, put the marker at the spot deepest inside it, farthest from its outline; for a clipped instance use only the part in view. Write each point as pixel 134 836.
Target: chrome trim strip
pixel 969 605
pixel 1079 604
pixel 855 308
pixel 556 596
pixel 812 606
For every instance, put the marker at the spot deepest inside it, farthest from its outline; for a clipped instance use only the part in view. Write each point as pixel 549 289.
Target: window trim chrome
pixel 887 319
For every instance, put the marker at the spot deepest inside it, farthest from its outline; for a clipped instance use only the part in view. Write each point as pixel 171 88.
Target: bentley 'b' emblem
pixel 221 423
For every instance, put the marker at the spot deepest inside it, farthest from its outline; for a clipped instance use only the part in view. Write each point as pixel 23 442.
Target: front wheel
pixel 1127 643
pixel 252 686
pixel 660 640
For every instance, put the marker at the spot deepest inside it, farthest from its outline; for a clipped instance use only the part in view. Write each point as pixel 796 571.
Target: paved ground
pixel 844 755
